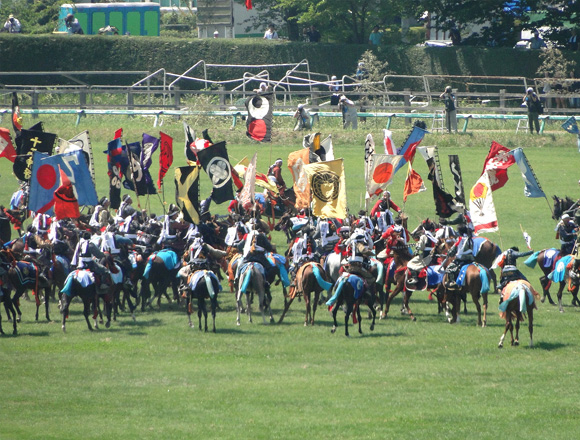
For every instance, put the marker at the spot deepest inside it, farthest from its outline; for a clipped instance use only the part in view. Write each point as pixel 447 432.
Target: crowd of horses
pixel 125 280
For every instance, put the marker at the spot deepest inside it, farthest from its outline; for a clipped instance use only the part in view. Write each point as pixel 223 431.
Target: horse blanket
pixel 521 290
pixel 279 261
pixel 434 275
pixel 550 256
pixel 482 276
pixel 26 272
pixel 247 274
pixel 65 263
pixel 356 283
pixel 84 276
pixel 198 275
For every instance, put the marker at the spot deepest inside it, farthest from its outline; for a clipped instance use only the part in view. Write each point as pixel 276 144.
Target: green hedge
pixel 65 52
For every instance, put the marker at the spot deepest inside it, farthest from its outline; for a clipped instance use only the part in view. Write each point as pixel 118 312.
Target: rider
pixel 254 247
pixel 462 250
pixel 509 270
pixel 567 232
pixel 425 249
pixel 276 171
pixel 101 215
pixel 382 211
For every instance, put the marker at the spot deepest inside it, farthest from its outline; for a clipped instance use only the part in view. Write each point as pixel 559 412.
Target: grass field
pixel 157 378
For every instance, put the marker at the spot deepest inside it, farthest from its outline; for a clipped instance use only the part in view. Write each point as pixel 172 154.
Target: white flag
pixel 247 194
pixel 389 144
pixel 481 206
pixel 381 171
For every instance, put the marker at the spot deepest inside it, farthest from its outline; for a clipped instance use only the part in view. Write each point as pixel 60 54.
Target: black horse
pixel 88 295
pixel 346 295
pixel 201 285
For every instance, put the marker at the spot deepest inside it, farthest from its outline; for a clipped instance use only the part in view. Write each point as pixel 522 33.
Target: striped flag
pixel 481 206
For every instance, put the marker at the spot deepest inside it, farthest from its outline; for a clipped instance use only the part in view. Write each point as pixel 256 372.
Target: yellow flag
pixel 328 187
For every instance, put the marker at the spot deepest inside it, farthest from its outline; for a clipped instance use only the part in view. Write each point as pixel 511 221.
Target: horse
pixel 195 288
pixel 10 312
pixel 161 271
pixel 548 260
pixel 518 297
pixel 81 283
pixel 564 205
pixel 310 277
pixel 401 257
pixel 251 278
pixel 349 290
pixel 474 278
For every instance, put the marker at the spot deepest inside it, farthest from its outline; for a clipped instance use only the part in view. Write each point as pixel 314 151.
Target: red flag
pixel 66 204
pixel 6 147
pixel 248 4
pixel 236 178
pixel 413 183
pixel 118 134
pixel 16 118
pixel 496 163
pixel 165 156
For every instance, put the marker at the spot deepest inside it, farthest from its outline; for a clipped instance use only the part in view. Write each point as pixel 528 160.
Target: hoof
pixel 413 319
pixel 333 330
pixel 133 316
pixel 500 346
pixel 238 324
pixel 108 324
pixel 543 299
pixel 63 329
pixel 15 332
pixel 516 343
pixel 372 327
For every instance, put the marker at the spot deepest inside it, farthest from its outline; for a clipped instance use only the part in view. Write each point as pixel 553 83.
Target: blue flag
pixel 570 126
pixel 45 180
pixel 532 187
pixel 410 146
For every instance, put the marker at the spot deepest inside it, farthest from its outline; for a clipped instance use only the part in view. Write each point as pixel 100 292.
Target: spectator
pixel 303 119
pixel 313 34
pixel 334 87
pixel 349 115
pixel 271 33
pixel 450 109
pixel 12 25
pixel 536 42
pixel 216 34
pixel 455 35
pixel 72 25
pixel 375 37
pixel 534 105
pixel 573 40
pixel 361 72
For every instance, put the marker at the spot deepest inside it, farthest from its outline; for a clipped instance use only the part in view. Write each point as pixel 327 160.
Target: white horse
pixel 251 279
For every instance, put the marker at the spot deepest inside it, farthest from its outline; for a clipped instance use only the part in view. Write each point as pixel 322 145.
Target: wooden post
pixel 502 101
pixel 176 97
pixel 407 99
pixel 34 97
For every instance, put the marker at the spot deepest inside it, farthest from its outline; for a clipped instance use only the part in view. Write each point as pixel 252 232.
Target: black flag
pixel 31 141
pixel 187 192
pixel 214 160
pixel 457 178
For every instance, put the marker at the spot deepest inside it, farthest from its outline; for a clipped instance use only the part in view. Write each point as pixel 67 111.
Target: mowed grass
pixel 157 378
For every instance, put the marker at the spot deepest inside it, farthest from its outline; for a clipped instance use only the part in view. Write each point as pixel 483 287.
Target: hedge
pixel 65 52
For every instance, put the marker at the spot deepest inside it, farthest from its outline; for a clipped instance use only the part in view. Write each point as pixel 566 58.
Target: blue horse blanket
pixel 356 283
pixel 168 256
pixel 482 275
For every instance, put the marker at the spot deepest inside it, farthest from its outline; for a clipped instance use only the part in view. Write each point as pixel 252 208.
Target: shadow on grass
pixel 140 323
pixel 548 346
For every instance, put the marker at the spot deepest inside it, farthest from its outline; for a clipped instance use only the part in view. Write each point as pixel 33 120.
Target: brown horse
pixel 306 282
pixel 542 260
pixel 401 256
pixel 515 306
pixel 473 284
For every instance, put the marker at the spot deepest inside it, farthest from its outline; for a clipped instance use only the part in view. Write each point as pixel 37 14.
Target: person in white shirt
pixel 271 33
pixel 12 25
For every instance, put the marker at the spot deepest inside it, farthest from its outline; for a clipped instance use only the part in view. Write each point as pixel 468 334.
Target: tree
pixel 37 17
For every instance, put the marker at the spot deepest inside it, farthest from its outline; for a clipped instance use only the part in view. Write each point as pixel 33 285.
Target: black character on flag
pixel 259 122
pixel 138 180
pixel 29 142
pixel 215 162
pixel 457 178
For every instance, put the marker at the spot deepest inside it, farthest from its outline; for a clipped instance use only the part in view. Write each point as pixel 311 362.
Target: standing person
pixel 72 25
pixel 536 42
pixel 450 109
pixel 534 109
pixel 271 33
pixel 313 34
pixel 567 233
pixel 573 40
pixel 349 115
pixel 12 25
pixel 375 37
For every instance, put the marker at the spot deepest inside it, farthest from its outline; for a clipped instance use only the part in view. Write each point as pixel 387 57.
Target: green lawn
pixel 157 378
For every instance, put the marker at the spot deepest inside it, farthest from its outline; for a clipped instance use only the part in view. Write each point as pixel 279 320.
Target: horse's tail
pixel 484 277
pixel 337 290
pixel 380 270
pixel 207 276
pixel 246 281
pixel 319 279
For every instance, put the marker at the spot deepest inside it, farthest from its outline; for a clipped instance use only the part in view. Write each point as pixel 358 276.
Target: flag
pixel 570 126
pixel 31 141
pixel 66 204
pixel 118 162
pixel 444 205
pixel 259 121
pixel 381 172
pixel 16 118
pixel 261 179
pixel 496 163
pixel 248 4
pixel 457 178
pixel 82 142
pixel 328 186
pixel 187 192
pixel 6 146
pixel 190 155
pixel 214 160
pixel 248 194
pixel 369 153
pixel 413 183
pixel 313 143
pixel 431 156
pixel 389 144
pixel 45 180
pixel 328 148
pixel 296 162
pixel 118 134
pixel 165 156
pixel 410 145
pixel 532 187
pixel 527 238
pixel 481 206
pixel 136 178
pixel 148 146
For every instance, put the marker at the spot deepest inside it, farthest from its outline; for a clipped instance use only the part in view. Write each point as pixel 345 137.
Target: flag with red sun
pixel 259 121
pixel 381 171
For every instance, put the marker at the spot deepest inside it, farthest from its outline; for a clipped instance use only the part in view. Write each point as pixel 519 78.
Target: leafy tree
pixel 554 64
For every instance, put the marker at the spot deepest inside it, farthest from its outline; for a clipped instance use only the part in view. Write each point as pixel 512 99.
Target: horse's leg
pixel 189 309
pixel 505 330
pixel 334 312
pixel 249 307
pixel 464 299
pixel 317 294
pixel 398 288
pixel 545 283
pixel 64 307
pixel 374 315
pixel 560 291
pixel 531 324
pixel 475 297
pixel 516 342
pixel 287 303
pixel 145 294
pixel 108 298
pixel 238 306
pixel 15 304
pixel 359 317
pixel 406 298
pixel 96 310
pixel 349 307
pixel 87 309
pixel 484 298
pixel 213 303
pixel 306 295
